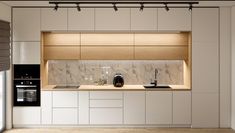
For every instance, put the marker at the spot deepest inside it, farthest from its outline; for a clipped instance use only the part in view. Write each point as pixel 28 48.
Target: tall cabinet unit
pixel 205 64
pixel 26 36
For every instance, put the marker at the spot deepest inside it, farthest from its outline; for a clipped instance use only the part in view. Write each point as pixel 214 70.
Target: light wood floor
pixel 119 130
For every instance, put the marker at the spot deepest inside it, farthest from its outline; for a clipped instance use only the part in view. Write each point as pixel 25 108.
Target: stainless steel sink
pixel 158 86
pixel 67 87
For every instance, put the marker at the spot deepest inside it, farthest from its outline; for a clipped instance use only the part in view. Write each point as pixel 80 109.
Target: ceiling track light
pixel 115 7
pixel 166 7
pixel 78 7
pixel 56 6
pixel 141 6
pixel 190 7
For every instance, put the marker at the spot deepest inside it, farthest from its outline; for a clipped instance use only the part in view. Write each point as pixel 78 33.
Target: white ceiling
pixel 46 3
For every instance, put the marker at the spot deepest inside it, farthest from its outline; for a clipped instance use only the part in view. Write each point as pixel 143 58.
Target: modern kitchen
pixel 123 66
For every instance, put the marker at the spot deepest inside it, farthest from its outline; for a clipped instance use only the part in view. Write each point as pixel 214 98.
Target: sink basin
pixel 158 86
pixel 67 87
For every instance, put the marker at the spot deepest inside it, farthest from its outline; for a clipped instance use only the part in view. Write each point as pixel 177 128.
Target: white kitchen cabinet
pixel 65 116
pixel 106 95
pixel 205 29
pixel 134 107
pixel 106 115
pixel 26 115
pixel 105 103
pixel 205 64
pixel 54 20
pixel 176 19
pixel 26 52
pixel 143 20
pixel 108 19
pixel 182 107
pixel 159 107
pixel 26 24
pixel 83 20
pixel 83 106
pixel 46 107
pixel 65 99
pixel 205 50
pixel 205 110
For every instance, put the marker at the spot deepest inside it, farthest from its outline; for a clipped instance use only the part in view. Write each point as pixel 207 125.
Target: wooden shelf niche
pixel 58 46
pixel 169 46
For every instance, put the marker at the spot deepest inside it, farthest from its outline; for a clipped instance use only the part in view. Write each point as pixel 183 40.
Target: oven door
pixel 26 95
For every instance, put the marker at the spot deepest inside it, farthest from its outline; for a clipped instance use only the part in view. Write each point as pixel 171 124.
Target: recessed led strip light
pixel 118 4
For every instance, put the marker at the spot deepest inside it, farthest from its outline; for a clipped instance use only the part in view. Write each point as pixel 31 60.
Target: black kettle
pixel 118 80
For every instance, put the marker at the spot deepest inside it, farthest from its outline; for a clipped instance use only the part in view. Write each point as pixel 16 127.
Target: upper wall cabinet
pixel 143 20
pixel 26 53
pixel 83 20
pixel 108 19
pixel 205 31
pixel 26 24
pixel 54 20
pixel 174 19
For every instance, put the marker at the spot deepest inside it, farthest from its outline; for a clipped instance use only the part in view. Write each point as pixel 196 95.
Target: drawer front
pixel 65 99
pixel 106 103
pixel 106 116
pixel 65 116
pixel 106 95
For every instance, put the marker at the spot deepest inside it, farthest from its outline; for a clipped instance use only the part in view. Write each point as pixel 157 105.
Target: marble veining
pixel 83 72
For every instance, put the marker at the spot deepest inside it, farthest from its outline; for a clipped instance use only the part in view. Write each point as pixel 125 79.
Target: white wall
pixel 5 14
pixel 233 66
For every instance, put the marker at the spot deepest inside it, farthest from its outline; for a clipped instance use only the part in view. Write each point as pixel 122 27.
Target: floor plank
pixel 118 130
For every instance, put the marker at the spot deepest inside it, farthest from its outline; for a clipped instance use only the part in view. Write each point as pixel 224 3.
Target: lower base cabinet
pixel 119 108
pixel 134 107
pixel 106 115
pixel 26 115
pixel 181 108
pixel 65 116
pixel 159 107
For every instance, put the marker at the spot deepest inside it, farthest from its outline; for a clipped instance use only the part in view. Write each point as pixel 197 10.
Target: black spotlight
pixel 190 7
pixel 78 7
pixel 141 6
pixel 56 6
pixel 166 7
pixel 115 7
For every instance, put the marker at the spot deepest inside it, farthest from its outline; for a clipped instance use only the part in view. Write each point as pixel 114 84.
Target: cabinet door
pixel 106 115
pixel 83 20
pixel 108 19
pixel 26 115
pixel 134 107
pixel 26 53
pixel 205 50
pixel 26 24
pixel 83 107
pixel 65 116
pixel 143 20
pixel 54 20
pixel 65 99
pixel 158 107
pixel 178 19
pixel 205 64
pixel 182 107
pixel 205 110
pixel 46 107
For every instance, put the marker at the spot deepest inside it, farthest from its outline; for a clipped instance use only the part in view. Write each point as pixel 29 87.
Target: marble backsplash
pixel 71 72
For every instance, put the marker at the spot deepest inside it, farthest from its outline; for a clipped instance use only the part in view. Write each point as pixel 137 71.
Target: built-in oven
pixel 26 85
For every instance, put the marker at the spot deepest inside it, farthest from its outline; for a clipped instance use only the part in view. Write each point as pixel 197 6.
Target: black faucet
pixel 155 80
